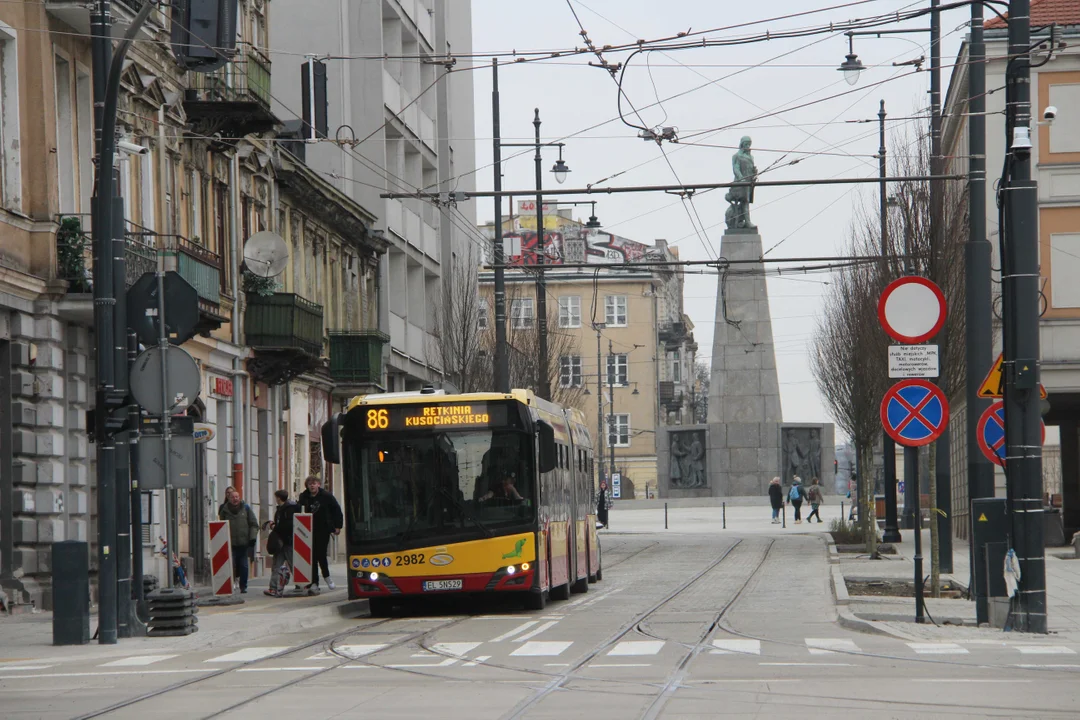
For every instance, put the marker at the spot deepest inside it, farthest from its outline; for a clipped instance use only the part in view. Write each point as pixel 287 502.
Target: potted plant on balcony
pixel 71 246
pixel 261 286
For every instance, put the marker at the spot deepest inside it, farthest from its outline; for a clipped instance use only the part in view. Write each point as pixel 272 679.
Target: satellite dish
pixel 266 254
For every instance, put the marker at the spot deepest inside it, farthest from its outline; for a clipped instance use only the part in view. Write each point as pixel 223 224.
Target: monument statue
pixel 686 464
pixel 740 196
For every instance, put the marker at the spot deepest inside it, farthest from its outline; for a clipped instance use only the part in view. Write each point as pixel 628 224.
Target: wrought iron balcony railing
pixel 356 357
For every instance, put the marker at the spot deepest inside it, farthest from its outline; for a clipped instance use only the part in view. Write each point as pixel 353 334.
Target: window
pixel 10 167
pixel 482 314
pixel 615 310
pixel 617 369
pixel 85 127
pixel 65 137
pixel 570 311
pixel 619 430
pixel 676 366
pixel 521 313
pixel 570 371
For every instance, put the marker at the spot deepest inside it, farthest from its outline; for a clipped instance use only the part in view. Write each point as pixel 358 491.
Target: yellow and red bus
pixel 465 493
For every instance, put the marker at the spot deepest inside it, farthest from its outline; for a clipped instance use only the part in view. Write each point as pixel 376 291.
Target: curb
pixel 834 556
pixel 840 592
pixel 849 620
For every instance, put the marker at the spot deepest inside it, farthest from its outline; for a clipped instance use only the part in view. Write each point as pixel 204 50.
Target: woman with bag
pixel 816 498
pixel 279 542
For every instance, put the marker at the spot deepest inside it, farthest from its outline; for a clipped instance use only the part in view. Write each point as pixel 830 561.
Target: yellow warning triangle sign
pixel 982 518
pixel 993 386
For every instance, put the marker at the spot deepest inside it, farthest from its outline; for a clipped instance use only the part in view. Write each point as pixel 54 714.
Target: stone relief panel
pixel 800 453
pixel 686 460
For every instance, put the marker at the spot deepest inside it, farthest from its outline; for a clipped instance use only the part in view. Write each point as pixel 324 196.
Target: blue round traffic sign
pixel 991 433
pixel 914 412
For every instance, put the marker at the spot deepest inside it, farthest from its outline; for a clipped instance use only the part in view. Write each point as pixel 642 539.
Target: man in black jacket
pixel 326 519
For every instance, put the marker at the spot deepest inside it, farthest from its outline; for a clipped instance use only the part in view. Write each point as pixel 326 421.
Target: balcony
pixel 672 333
pixel 75 257
pixel 233 101
pixel 76 14
pixel 286 333
pixel 670 399
pixel 356 357
pixel 202 269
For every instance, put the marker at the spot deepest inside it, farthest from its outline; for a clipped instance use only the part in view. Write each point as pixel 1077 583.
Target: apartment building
pixel 273 355
pixel 625 350
pixel 1056 155
pixel 401 112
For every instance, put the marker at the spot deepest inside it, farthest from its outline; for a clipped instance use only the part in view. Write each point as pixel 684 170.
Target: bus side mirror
pixel 548 453
pixel 331 439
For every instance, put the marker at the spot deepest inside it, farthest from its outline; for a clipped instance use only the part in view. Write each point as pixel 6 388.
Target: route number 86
pixel 377 419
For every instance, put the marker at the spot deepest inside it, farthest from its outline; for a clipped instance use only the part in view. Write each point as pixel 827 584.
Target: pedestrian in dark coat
pixel 243 532
pixel 280 542
pixel 776 499
pixel 327 520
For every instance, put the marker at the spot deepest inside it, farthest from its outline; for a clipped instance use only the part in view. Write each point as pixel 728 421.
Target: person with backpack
pixel 816 498
pixel 326 520
pixel 279 543
pixel 776 499
pixel 243 531
pixel 796 495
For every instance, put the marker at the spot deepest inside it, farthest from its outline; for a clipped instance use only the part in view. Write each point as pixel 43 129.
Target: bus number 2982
pixel 414 559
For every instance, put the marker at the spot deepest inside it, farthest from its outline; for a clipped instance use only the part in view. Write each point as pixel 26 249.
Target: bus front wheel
pixel 380 607
pixel 536 600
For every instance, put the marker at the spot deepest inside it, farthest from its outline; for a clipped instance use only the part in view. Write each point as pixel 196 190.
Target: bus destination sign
pixel 415 417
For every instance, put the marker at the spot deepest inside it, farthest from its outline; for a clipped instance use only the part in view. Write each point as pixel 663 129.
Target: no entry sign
pixel 912 309
pixel 914 412
pixel 991 432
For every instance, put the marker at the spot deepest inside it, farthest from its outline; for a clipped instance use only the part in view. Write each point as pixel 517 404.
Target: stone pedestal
pixel 744 395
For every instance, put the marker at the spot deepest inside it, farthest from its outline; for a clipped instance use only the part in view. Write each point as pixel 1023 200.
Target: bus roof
pixel 523 396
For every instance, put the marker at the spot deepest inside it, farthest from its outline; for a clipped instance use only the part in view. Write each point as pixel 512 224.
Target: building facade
pixel 1056 156
pixel 210 171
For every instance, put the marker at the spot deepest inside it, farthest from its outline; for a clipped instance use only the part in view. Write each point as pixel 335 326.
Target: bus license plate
pixel 442 585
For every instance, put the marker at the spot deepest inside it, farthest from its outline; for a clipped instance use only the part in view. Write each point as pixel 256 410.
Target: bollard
pixel 723 507
pixel 71 592
pixel 784 515
pixel 665 516
pixel 841 511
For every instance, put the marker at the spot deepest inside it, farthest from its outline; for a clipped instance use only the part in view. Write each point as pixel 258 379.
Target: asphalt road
pixel 682 626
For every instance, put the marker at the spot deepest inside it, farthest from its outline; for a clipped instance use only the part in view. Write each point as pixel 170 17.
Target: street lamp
pixel 560 168
pixel 852 66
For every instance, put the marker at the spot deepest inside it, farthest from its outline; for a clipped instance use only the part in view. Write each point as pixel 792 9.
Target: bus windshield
pixel 405 487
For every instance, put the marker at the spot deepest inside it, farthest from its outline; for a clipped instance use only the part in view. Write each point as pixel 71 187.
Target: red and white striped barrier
pixel 221 567
pixel 302 548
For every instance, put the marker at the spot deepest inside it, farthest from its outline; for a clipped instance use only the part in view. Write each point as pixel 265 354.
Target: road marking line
pixel 445 663
pixel 501 617
pixel 807 664
pixel 538 647
pixel 350 651
pixel 520 628
pixel 828 646
pixel 736 647
pixel 969 680
pixel 556 664
pixel 530 635
pixel 478 660
pixel 1059 667
pixel 637 647
pixel 139 660
pixel 457 649
pixel 1045 650
pixel 356 667
pixel 291 668
pixel 103 673
pixel 619 665
pixel 247 654
pixel 937 648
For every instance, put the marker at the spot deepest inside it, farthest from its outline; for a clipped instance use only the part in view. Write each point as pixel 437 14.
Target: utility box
pixel 990 544
pixel 71 592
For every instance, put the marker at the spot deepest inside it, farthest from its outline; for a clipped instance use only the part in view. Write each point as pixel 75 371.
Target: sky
pixel 720 93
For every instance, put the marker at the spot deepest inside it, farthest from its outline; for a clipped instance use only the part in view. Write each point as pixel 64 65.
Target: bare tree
pixel 523 339
pixel 850 354
pixel 459 335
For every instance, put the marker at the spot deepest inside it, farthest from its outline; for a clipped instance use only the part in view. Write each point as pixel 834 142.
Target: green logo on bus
pixel 518 546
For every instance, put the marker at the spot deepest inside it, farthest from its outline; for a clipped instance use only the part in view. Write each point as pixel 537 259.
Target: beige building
pixel 622 345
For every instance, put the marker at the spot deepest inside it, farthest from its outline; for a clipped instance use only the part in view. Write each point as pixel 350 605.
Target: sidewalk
pixel 29 637
pixel 956 617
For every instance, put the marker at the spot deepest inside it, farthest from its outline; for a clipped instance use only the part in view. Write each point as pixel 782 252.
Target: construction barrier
pixel 302 548
pixel 221 566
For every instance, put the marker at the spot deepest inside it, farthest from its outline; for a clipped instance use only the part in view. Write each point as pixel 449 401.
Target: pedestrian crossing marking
pixel 1045 650
pixel 286 668
pixel 478 660
pixel 519 629
pixel 248 654
pixel 637 647
pixel 541 648
pixel 445 663
pixel 533 633
pixel 937 648
pixel 352 651
pixel 736 647
pixel 5 668
pixel 138 660
pixel 618 665
pixel 457 649
pixel 828 646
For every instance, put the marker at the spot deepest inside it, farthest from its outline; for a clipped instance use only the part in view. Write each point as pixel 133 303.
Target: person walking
pixel 279 542
pixel 816 498
pixel 602 504
pixel 776 499
pixel 326 521
pixel 243 532
pixel 796 495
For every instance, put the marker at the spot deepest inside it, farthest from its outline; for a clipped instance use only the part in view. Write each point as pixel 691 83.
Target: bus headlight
pixel 373 577
pixel 511 570
pixel 524 566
